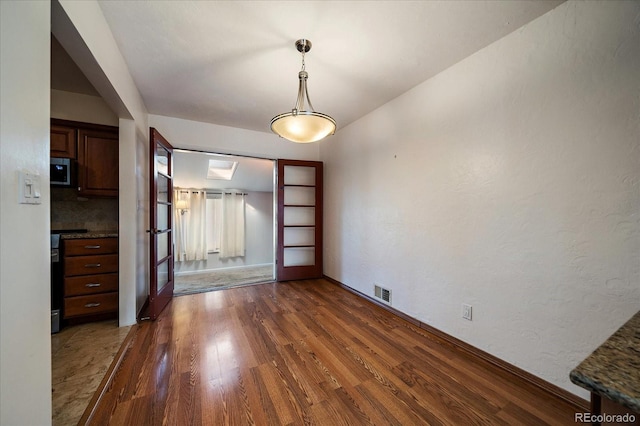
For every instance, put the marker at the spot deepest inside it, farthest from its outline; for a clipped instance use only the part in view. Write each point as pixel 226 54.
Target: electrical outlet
pixel 466 312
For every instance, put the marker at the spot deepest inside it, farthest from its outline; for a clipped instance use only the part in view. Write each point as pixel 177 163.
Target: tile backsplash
pixel 68 211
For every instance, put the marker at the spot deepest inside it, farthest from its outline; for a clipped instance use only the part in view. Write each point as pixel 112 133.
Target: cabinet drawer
pixel 88 305
pixel 90 246
pixel 90 265
pixel 90 284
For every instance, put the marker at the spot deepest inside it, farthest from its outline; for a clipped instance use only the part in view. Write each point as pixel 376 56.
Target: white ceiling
pixel 234 62
pixel 252 174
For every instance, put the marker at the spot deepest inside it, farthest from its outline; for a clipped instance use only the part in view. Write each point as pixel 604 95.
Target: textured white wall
pixel 509 182
pixel 25 319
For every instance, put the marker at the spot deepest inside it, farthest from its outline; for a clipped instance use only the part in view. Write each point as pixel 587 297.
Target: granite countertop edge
pixel 587 383
pixel 91 234
pixel 612 370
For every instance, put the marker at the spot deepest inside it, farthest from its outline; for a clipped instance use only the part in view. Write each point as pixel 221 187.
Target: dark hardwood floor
pixel 306 352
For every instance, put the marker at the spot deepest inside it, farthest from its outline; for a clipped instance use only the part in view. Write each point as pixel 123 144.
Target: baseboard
pixel 87 416
pixel 581 405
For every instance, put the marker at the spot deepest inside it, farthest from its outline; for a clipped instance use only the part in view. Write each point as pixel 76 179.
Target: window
pixel 221 169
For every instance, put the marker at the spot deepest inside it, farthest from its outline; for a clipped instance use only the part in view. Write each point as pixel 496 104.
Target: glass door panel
pixel 163 246
pixel 163 189
pixel 163 275
pixel 299 236
pixel 164 212
pixel 299 196
pixel 162 159
pixel 299 216
pixel 299 256
pixel 300 175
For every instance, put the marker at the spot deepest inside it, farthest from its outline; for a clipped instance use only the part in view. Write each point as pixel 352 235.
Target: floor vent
pixel 382 294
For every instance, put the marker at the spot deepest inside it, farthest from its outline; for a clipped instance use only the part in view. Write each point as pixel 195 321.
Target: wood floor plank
pixel 396 406
pixel 307 352
pixel 378 413
pixel 278 395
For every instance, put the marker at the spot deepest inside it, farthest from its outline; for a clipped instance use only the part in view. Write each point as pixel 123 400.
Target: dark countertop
pixel 613 369
pixel 90 234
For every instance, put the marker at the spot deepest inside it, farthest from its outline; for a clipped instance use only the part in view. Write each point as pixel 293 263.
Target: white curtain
pixel 232 232
pixel 214 223
pixel 190 229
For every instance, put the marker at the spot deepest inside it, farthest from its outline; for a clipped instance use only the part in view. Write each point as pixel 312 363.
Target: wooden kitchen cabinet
pixel 90 277
pixel 97 163
pixel 95 149
pixel 63 141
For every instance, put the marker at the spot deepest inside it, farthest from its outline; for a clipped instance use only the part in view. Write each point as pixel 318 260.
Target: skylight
pixel 221 169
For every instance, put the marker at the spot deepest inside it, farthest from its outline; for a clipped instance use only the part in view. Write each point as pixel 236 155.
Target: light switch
pixel 29 188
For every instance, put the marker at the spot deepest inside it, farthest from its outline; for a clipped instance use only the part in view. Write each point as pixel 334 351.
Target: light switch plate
pixel 29 188
pixel 466 311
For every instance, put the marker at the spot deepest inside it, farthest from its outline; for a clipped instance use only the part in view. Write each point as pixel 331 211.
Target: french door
pixel 161 223
pixel 299 247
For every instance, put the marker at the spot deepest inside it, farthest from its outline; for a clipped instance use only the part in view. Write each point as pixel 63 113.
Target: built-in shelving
pixel 300 220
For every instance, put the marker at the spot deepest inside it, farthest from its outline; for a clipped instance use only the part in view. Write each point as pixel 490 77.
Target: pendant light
pixel 300 125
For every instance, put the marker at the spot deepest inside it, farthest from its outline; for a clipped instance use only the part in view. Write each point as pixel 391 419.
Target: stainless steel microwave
pixel 61 174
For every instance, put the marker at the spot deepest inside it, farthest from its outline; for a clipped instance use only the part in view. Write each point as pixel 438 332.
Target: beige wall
pixel 508 182
pixel 25 309
pixel 83 108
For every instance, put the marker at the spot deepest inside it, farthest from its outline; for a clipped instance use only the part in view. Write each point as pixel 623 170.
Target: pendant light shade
pixel 303 126
pixel 300 125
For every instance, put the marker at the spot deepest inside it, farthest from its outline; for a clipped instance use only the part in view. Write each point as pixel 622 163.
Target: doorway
pixel 224 219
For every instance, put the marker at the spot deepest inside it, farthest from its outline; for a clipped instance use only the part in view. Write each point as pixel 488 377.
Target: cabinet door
pixel 97 163
pixel 63 142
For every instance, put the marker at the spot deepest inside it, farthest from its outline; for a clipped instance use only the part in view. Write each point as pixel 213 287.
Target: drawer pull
pixel 92 247
pixel 91 305
pixel 93 285
pixel 92 265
